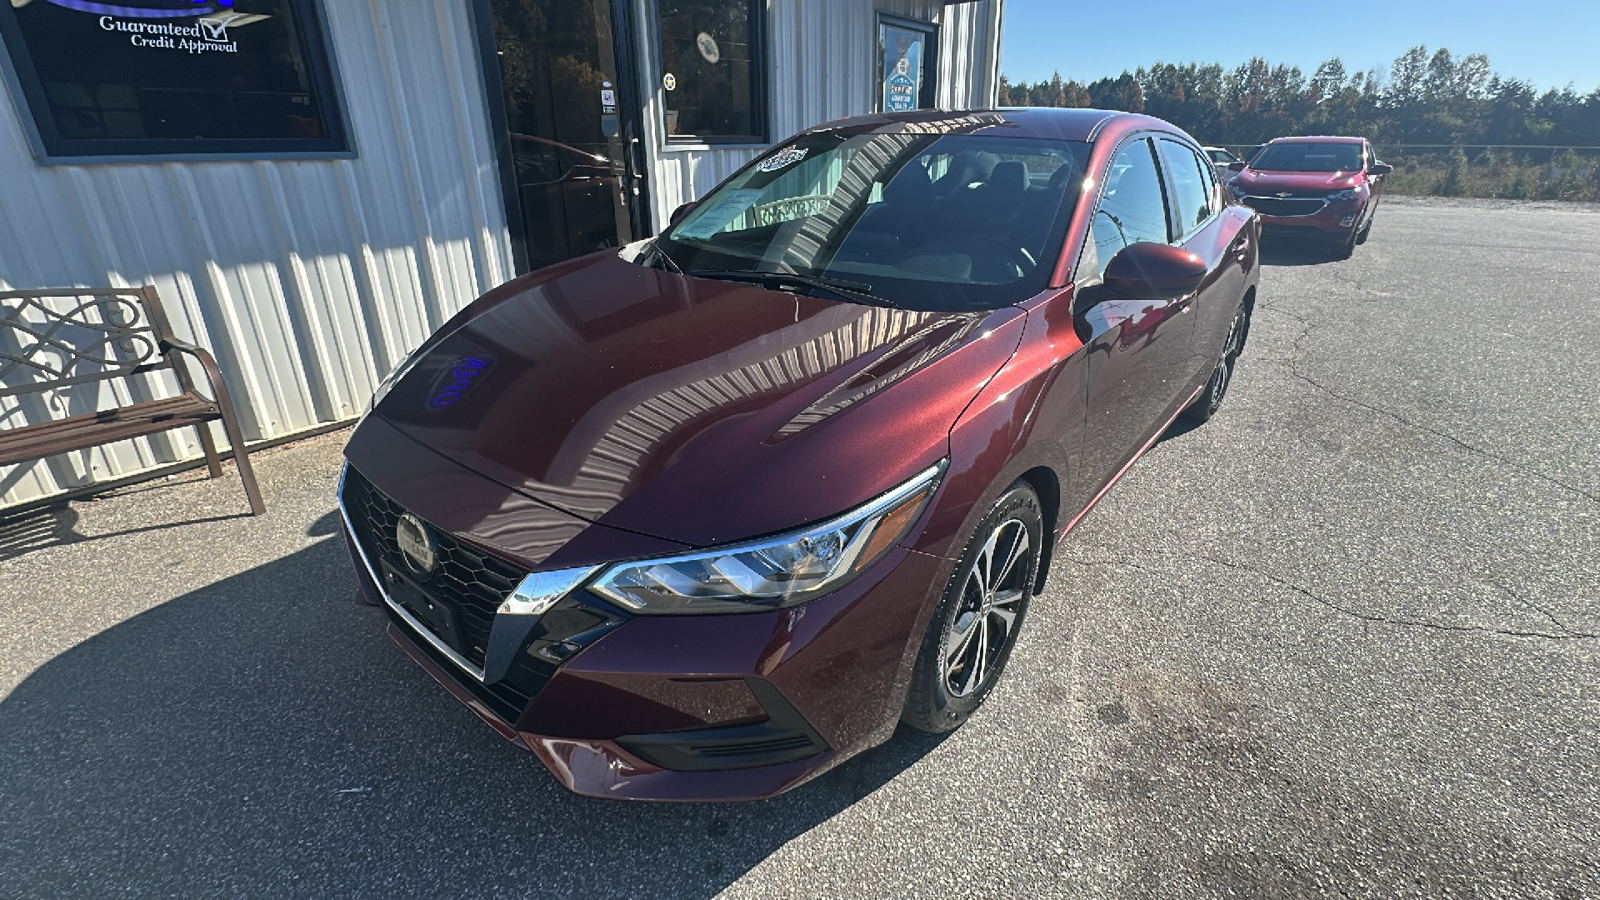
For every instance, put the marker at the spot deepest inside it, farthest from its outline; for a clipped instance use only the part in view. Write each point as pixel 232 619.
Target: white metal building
pixel 315 185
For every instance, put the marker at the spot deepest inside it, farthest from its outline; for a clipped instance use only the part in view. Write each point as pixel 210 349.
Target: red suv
pixel 1321 187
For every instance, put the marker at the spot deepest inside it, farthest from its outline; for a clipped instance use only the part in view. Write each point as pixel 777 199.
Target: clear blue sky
pixel 1547 42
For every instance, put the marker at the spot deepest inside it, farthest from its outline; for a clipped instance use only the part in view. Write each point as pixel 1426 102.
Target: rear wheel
pixel 978 619
pixel 1210 400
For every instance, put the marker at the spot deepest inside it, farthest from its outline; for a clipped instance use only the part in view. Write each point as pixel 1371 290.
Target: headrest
pixel 1009 177
pixel 966 167
pixel 910 183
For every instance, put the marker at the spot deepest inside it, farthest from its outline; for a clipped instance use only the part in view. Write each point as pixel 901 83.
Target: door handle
pixel 634 163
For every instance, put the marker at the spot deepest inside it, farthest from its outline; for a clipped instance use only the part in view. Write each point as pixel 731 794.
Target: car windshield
pixel 918 221
pixel 1308 157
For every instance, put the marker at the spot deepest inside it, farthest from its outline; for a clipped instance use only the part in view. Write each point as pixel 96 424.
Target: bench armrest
pixel 219 388
pixel 208 364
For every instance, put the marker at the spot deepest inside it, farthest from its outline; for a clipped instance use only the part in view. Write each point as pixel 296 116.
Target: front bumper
pixel 1332 220
pixel 694 708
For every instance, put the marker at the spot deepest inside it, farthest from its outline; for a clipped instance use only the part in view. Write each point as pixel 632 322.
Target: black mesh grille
pixel 469 579
pixel 1284 206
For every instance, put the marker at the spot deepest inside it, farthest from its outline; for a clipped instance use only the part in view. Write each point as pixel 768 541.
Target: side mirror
pixel 1379 168
pixel 1236 167
pixel 1147 271
pixel 682 211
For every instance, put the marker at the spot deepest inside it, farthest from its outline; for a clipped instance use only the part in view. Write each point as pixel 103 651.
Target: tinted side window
pixel 1191 192
pixel 1132 208
pixel 1213 186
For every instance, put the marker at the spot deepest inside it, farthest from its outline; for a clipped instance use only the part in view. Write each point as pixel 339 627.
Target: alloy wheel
pixel 1222 375
pixel 986 620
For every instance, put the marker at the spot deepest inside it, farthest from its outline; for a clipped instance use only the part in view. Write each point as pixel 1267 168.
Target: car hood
pixel 1309 183
pixel 693 410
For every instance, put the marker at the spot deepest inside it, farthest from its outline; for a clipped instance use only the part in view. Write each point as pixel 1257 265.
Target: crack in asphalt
pixel 1296 351
pixel 1540 610
pixel 1337 275
pixel 1375 618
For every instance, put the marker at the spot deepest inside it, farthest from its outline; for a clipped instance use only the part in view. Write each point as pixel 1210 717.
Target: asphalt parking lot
pixel 1340 641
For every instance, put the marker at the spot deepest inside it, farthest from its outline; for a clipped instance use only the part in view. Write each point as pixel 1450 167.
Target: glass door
pixel 571 152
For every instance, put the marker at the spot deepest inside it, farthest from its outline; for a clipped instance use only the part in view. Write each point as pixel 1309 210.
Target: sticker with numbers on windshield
pixel 788 156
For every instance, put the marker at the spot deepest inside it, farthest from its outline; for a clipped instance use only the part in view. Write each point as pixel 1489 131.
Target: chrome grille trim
pixel 433 640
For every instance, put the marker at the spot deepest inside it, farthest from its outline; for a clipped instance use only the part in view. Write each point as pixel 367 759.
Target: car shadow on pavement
pixel 261 736
pixel 1278 250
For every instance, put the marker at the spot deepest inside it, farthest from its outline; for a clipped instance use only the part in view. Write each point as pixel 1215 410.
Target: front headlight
pixel 1346 194
pixel 775 572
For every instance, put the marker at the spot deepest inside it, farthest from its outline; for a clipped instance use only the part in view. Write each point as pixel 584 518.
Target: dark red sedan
pixel 702 518
pixel 1326 188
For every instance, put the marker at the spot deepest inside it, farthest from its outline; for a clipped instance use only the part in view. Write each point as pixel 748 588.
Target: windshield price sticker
pixel 709 220
pixel 784 158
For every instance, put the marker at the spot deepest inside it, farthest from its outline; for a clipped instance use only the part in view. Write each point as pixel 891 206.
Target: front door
pixel 571 152
pixel 1138 350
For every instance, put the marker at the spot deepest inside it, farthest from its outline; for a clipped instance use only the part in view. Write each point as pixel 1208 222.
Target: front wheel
pixel 1361 236
pixel 1346 248
pixel 979 616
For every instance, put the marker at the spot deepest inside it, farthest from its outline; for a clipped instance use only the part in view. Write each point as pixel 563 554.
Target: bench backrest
pixel 58 338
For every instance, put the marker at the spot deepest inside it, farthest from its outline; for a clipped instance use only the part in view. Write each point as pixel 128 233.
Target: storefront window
pixel 174 76
pixel 712 64
pixel 906 65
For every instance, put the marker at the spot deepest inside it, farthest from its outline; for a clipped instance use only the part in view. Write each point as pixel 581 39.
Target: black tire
pixel 1361 236
pixel 952 677
pixel 1345 248
pixel 1210 400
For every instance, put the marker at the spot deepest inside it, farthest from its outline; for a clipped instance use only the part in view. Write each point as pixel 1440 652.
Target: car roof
pixel 1318 139
pixel 1024 122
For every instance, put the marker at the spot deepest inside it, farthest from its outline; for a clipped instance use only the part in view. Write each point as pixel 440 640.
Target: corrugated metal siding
pixel 823 65
pixel 308 279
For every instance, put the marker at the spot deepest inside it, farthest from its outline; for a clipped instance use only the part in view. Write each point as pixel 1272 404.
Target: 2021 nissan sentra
pixel 1326 188
pixel 705 516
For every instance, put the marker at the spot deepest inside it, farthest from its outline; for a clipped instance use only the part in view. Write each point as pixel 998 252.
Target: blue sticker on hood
pixel 455 381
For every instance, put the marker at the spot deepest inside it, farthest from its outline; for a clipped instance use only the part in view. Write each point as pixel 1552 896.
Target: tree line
pixel 1423 98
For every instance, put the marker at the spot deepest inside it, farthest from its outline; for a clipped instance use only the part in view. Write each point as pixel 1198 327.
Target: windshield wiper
pixel 655 247
pixel 847 290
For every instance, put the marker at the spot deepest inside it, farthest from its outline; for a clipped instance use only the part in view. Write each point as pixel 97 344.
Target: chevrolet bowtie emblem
pixel 1285 194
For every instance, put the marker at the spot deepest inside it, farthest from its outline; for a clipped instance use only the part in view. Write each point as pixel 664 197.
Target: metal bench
pixel 55 339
